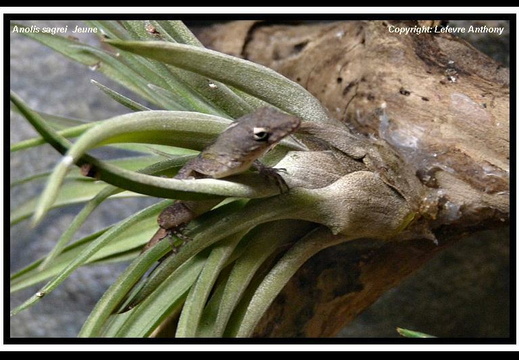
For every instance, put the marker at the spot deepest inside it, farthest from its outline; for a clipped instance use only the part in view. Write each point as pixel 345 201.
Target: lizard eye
pixel 261 134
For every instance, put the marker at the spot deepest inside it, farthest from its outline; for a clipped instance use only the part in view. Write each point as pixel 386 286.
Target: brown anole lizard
pixel 234 151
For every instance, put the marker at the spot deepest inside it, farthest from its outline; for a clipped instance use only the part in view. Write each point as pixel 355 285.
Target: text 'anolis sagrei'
pixel 234 151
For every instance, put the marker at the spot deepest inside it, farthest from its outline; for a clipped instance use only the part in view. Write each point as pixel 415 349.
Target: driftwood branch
pixel 447 108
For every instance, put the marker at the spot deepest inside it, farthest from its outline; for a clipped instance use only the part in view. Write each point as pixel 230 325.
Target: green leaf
pixel 95 59
pixel 263 241
pixel 199 293
pixel 121 99
pixel 78 189
pixel 154 72
pixel 155 168
pixel 280 274
pixel 212 228
pixel 134 76
pixel 413 334
pixel 132 163
pixel 177 31
pixel 60 143
pixel 224 221
pixel 57 122
pixel 31 274
pixel 181 101
pixel 110 29
pixel 87 253
pixel 66 133
pixel 221 96
pixel 74 226
pixel 187 90
pixel 124 247
pixel 142 320
pixel 73 192
pixel 163 127
pixel 251 78
pixel 216 272
pixel 114 296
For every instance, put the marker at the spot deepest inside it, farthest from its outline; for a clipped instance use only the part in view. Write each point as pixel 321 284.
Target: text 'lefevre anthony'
pixel 483 29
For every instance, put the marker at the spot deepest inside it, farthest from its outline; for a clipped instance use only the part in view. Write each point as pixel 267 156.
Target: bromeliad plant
pixel 223 281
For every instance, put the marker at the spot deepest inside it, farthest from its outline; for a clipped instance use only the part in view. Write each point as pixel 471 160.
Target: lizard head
pixel 246 140
pixel 269 126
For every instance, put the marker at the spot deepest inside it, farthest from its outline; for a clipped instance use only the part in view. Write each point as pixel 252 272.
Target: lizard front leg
pixel 271 174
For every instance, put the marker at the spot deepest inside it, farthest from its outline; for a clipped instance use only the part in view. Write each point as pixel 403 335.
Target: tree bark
pixel 446 111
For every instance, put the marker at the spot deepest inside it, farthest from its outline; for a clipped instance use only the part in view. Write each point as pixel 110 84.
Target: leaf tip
pixel 38 215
